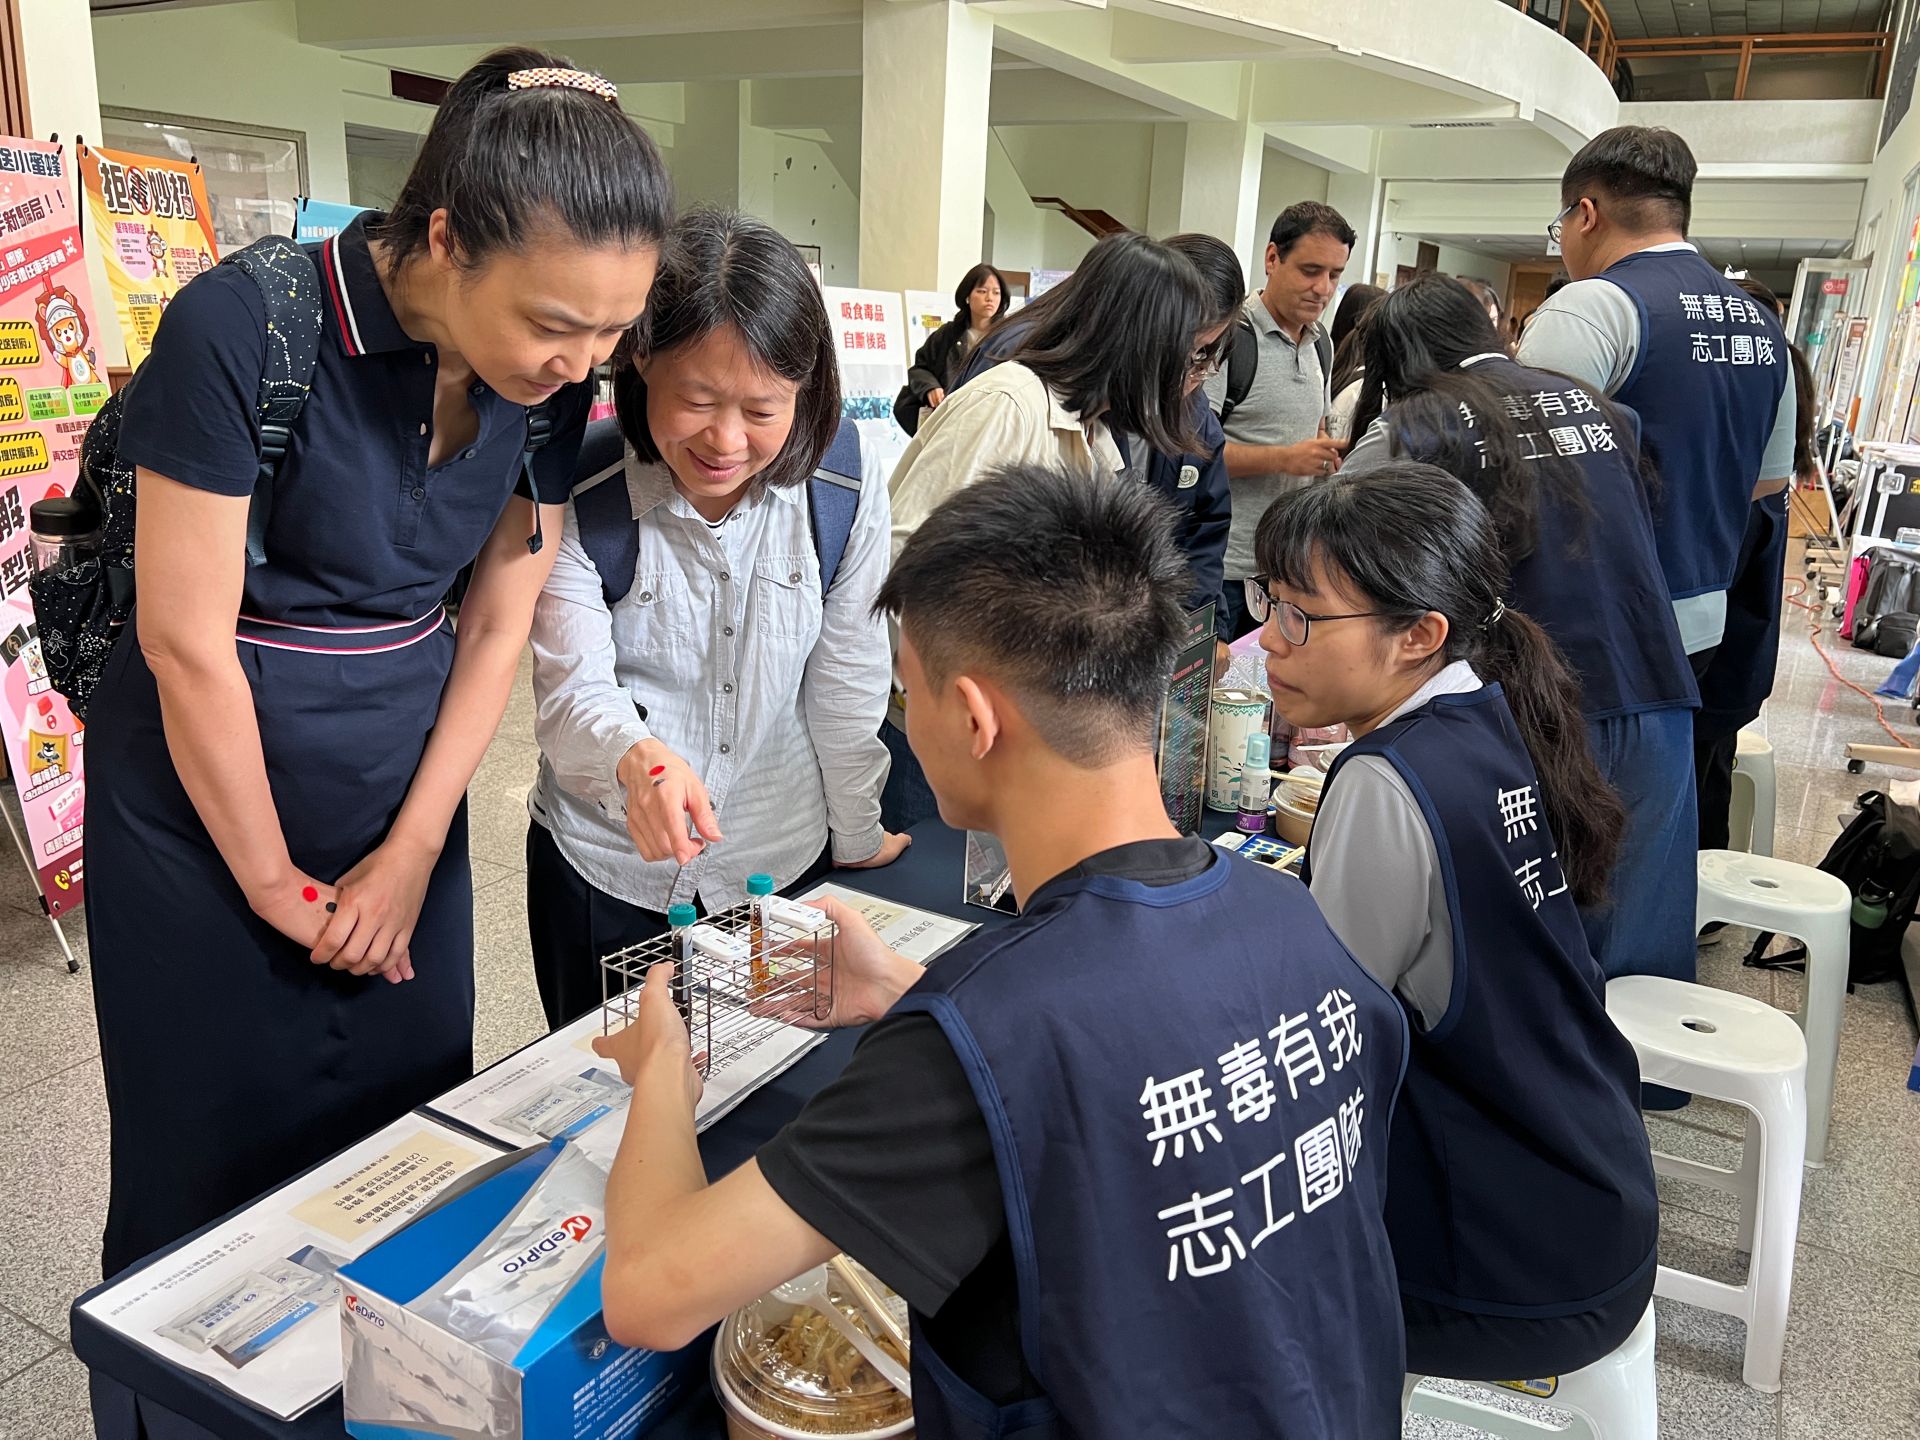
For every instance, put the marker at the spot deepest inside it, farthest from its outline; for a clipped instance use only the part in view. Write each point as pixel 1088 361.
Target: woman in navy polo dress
pixel 280 911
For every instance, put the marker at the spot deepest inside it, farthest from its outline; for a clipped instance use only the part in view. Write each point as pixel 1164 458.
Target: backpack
pixel 81 609
pixel 1893 635
pixel 1243 359
pixel 1878 856
pixel 605 517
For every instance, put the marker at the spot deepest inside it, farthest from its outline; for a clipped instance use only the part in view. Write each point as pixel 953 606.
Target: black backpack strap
pixel 539 432
pixel 1243 358
pixel 602 510
pixel 833 498
pixel 290 289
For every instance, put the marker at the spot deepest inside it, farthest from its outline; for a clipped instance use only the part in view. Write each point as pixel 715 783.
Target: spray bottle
pixel 1256 785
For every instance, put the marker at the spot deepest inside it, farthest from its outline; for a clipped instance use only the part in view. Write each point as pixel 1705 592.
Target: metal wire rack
pixel 738 980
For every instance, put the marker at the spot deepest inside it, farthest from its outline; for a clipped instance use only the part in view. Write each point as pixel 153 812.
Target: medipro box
pixel 482 1319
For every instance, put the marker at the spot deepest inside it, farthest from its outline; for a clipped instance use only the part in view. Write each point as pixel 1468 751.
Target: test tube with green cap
pixel 681 920
pixel 759 887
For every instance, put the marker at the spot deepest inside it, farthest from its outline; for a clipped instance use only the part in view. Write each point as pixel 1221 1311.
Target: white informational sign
pixel 254 1305
pixel 917 934
pixel 927 311
pixel 869 337
pixel 557 1083
pixel 1039 282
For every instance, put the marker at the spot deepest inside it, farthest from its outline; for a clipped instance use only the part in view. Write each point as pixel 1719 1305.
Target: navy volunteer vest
pixel 1707 383
pixel 1522 1180
pixel 1189 1089
pixel 1592 581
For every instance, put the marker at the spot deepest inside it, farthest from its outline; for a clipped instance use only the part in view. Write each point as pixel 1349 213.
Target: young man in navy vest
pixel 1651 323
pixel 1124 1157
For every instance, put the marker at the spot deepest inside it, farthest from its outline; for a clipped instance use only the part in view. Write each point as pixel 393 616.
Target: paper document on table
pixel 917 934
pixel 558 1085
pixel 253 1305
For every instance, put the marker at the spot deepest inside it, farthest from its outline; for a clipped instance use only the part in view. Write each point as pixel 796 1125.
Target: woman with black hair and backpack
pixel 1455 837
pixel 707 660
pixel 1558 466
pixel 280 908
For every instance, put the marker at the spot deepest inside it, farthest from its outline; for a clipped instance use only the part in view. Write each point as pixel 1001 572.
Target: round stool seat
pixel 1761 891
pixel 1694 1026
pixel 1747 743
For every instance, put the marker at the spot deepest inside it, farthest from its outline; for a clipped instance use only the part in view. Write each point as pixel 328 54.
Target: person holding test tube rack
pixel 693 658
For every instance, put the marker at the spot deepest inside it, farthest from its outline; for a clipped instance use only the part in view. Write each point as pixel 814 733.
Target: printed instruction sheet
pixel 254 1304
pixel 917 934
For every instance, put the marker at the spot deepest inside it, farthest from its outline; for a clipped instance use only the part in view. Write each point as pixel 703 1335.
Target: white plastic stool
pixel 1615 1398
pixel 1733 1048
pixel 1750 817
pixel 1816 909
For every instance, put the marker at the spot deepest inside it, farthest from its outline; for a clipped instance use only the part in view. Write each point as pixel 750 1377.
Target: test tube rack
pixel 782 975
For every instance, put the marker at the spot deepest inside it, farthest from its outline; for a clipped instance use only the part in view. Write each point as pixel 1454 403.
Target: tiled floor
pixel 1853 1348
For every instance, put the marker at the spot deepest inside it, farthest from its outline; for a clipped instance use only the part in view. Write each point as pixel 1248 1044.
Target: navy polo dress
pixel 231 1060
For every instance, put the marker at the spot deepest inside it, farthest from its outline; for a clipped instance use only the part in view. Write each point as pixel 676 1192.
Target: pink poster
pixel 51 386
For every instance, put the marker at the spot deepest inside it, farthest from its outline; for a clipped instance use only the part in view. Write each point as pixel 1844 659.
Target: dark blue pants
pixel 1647 928
pixel 907 798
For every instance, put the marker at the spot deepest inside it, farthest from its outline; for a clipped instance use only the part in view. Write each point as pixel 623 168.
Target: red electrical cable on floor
pixel 1814 631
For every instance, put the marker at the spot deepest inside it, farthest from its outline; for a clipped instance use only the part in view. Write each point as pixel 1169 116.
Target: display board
pixel 869 339
pixel 1182 750
pixel 152 223
pixel 51 385
pixel 321 219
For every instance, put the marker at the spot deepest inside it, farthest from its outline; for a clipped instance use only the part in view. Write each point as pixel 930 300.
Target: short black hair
pixel 1116 338
pixel 1308 217
pixel 972 279
pixel 1095 561
pixel 1220 270
pixel 719 269
pixel 503 163
pixel 1644 172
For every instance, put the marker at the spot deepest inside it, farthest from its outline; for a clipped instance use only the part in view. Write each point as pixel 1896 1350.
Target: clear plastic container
pixel 783 1373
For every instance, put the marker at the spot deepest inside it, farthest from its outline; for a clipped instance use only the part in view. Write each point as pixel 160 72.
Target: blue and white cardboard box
pixel 409 1375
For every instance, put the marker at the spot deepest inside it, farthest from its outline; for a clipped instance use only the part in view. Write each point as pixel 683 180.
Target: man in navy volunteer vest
pixel 1653 324
pixel 1123 1156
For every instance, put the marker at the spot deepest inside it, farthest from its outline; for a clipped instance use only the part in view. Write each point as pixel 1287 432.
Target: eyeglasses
pixel 1559 222
pixel 1294 623
pixel 1204 361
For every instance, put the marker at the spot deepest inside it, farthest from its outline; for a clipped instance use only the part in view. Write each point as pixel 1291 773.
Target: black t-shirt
pixel 892 1162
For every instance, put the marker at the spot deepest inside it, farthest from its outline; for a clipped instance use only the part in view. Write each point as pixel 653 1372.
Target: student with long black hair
pixel 982 299
pixel 1455 837
pixel 278 760
pixel 1118 347
pixel 1558 467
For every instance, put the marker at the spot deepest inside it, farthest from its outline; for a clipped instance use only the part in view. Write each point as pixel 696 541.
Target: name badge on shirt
pixel 1189 476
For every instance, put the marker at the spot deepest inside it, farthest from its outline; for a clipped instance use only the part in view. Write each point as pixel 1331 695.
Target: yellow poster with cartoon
pixel 153 225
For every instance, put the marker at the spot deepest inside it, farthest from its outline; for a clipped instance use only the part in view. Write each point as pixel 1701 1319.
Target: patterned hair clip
pixel 552 77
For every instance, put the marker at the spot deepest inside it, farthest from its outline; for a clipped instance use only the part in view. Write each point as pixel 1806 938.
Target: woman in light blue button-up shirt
pixel 713 715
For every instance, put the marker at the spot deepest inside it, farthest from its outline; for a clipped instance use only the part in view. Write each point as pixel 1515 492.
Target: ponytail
pixel 506 164
pixel 1585 813
pixel 1415 541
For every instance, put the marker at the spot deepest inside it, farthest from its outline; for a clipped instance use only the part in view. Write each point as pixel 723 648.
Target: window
pixel 253 173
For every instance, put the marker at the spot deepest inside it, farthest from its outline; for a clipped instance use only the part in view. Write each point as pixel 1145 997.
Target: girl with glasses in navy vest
pixel 1559 469
pixel 1455 837
pixel 280 908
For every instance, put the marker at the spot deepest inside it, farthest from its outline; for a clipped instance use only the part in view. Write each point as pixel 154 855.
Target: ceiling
pixel 1633 19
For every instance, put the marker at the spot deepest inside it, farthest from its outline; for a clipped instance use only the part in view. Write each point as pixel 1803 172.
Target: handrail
pixel 1597 42
pixel 1851 42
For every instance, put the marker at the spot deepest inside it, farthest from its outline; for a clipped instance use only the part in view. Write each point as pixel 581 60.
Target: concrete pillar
pixel 1358 198
pixel 63 93
pixel 705 159
pixel 1220 186
pixel 926 74
pixel 1167 178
